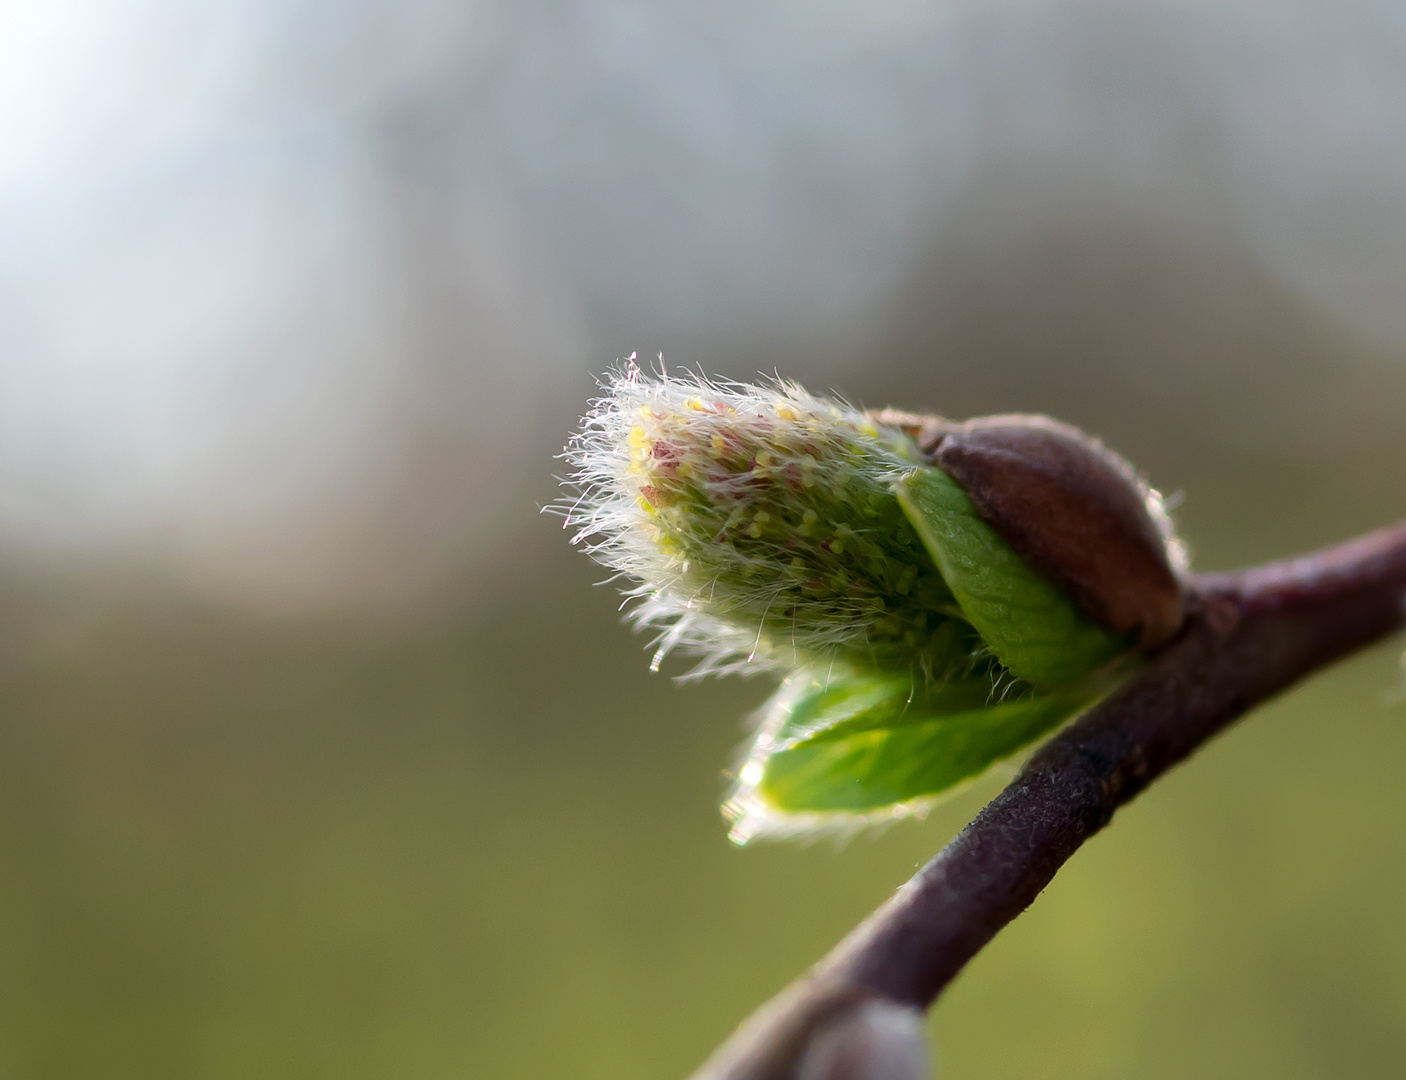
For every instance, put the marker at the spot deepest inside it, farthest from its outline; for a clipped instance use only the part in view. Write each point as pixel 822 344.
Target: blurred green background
pixel 320 754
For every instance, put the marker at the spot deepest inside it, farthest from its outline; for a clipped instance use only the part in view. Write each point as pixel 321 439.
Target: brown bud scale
pixel 1077 511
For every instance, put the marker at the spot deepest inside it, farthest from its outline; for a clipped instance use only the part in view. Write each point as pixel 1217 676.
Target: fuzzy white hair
pixel 712 611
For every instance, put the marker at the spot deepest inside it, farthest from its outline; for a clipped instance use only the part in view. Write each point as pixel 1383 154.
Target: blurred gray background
pixel 320 755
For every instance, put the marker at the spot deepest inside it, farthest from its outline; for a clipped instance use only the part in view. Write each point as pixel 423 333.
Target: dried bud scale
pixel 876 1040
pixel 1078 512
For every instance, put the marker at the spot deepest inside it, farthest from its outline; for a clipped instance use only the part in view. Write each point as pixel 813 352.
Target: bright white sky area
pixel 293 294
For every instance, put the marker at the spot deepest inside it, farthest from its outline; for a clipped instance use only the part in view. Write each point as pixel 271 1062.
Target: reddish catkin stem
pixel 1251 634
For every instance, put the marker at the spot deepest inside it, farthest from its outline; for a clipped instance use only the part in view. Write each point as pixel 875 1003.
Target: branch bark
pixel 1250 634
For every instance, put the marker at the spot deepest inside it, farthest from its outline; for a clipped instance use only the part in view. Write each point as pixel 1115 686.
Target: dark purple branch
pixel 1251 634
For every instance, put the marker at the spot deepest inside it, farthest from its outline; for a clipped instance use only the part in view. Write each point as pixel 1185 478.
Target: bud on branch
pixel 939 594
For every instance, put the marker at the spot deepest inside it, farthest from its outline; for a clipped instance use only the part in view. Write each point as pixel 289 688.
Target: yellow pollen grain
pixel 717 446
pixel 785 412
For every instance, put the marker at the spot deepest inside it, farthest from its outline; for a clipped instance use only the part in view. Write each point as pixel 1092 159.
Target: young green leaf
pixel 839 752
pixel 1032 627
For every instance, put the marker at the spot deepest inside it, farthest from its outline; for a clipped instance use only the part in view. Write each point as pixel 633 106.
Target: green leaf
pixel 860 702
pixel 832 748
pixel 1033 628
pixel 859 770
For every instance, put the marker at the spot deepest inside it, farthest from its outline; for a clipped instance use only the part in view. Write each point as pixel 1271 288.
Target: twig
pixel 1251 634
